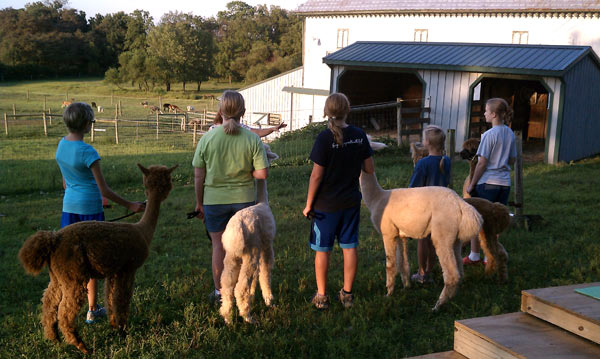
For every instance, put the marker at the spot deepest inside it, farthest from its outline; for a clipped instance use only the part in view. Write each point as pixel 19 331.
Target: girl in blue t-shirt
pixel 333 201
pixel 84 183
pixel 433 170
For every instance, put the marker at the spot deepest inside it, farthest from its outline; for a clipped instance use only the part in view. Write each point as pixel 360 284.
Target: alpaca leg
pixel 389 243
pixel 50 300
pixel 242 288
pixel 266 266
pixel 404 264
pixel 488 245
pixel 502 263
pixel 109 288
pixel 229 278
pixel 123 290
pixel 74 294
pixel 458 258
pixel 444 248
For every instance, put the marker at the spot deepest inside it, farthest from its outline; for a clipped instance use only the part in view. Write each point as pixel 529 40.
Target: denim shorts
pixel 326 226
pixel 493 192
pixel 70 218
pixel 216 216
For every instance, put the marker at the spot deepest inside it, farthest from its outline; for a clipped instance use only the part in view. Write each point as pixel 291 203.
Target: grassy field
pixel 170 313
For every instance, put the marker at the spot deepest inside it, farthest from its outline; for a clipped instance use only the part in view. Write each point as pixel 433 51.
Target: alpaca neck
pixel 148 221
pixel 370 188
pixel 261 192
pixel 472 165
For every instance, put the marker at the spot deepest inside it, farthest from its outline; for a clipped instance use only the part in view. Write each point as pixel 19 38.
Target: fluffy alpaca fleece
pixel 469 152
pixel 93 249
pixel 248 244
pixel 496 219
pixel 416 213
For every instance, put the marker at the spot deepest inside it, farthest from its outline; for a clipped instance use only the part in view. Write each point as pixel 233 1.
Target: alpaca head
pixel 469 150
pixel 417 151
pixel 157 180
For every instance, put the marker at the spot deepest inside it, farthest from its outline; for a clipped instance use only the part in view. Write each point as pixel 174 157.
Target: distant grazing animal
pixel 155 109
pixel 100 109
pixel 190 108
pixel 66 103
pixel 93 249
pixel 94 104
pixel 174 108
pixel 166 106
pixel 144 103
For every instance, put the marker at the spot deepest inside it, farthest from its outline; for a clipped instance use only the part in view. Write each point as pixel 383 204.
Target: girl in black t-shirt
pixel 333 201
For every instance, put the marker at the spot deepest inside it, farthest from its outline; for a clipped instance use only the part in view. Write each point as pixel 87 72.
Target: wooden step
pixel 518 335
pixel 563 307
pixel 443 355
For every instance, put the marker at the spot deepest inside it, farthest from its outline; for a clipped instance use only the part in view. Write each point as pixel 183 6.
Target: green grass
pixel 170 314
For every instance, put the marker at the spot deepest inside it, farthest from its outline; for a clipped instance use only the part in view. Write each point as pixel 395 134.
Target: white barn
pixel 332 25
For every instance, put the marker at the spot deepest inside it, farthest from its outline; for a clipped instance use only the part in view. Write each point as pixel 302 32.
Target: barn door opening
pixel 376 89
pixel 529 100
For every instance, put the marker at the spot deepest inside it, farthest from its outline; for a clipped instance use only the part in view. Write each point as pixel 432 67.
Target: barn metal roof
pixel 327 7
pixel 543 60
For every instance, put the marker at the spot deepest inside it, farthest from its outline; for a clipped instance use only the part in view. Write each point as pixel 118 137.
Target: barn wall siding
pixel 580 130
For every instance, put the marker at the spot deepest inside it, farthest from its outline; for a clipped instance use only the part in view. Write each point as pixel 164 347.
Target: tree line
pixel 242 43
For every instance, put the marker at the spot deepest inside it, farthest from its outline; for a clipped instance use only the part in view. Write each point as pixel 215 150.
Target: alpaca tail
pixel 36 250
pixel 470 222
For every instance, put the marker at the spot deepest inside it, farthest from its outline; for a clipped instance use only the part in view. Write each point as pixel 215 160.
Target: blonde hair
pixel 337 107
pixel 232 108
pixel 501 108
pixel 437 139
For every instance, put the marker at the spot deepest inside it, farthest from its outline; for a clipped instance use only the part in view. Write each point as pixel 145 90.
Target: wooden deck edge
pixel 562 317
pixel 472 344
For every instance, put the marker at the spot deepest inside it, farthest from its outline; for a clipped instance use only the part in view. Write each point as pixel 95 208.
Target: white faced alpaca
pixel 248 244
pixel 403 213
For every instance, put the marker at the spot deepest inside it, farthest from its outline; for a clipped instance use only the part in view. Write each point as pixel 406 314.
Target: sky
pixel 204 8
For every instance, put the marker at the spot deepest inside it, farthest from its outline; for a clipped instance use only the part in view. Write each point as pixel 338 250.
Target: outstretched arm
pixel 313 185
pixel 110 194
pixel 262 132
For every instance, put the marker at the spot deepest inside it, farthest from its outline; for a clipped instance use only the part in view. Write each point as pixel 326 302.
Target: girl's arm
pixel 261 174
pixel 368 165
pixel 262 132
pixel 199 176
pixel 479 170
pixel 315 180
pixel 108 193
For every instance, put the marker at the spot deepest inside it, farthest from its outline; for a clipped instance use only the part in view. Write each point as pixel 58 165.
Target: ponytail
pixel 338 134
pixel 231 126
pixel 337 108
pixel 442 171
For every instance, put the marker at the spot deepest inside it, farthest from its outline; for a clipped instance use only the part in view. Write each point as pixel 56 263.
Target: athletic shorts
pixel 493 192
pixel 326 226
pixel 70 218
pixel 216 216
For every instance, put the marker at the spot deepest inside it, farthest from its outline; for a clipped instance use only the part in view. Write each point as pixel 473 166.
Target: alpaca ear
pixel 172 168
pixel 144 170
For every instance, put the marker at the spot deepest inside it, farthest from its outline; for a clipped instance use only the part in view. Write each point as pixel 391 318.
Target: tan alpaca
pixel 93 249
pixel 248 244
pixel 416 213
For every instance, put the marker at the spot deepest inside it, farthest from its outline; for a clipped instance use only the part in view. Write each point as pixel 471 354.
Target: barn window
pixel 520 37
pixel 342 38
pixel 421 35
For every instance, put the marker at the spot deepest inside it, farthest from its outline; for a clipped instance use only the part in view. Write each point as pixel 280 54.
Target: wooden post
pixel 519 178
pixel 14 110
pixel 5 125
pixel 203 118
pixel 157 125
pixel 117 130
pixel 450 148
pixel 50 115
pixel 291 111
pixel 92 132
pixel 194 136
pixel 399 121
pixel 45 126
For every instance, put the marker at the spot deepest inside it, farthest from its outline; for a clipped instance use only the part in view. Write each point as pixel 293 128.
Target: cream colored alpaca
pixel 416 213
pixel 248 244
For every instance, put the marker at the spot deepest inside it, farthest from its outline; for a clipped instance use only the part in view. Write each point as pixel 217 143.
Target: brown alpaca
pixel 93 249
pixel 469 152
